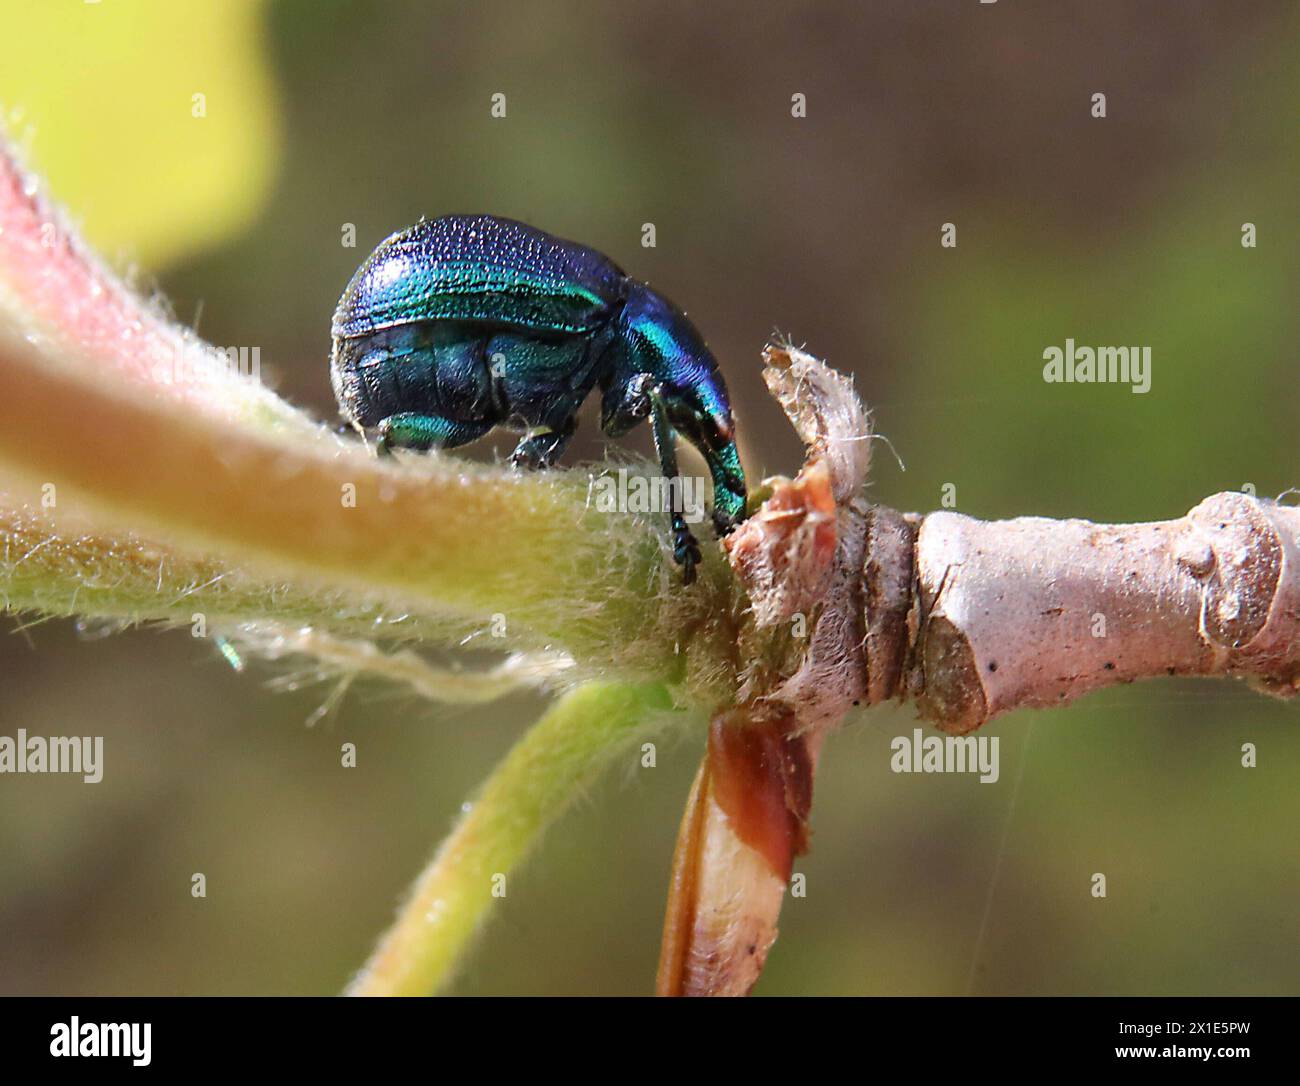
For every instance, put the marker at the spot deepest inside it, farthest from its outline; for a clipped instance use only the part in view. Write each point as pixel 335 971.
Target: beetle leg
pixel 686 551
pixel 411 431
pixel 541 450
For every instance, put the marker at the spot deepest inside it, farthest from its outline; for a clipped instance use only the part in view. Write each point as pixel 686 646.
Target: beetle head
pixel 655 344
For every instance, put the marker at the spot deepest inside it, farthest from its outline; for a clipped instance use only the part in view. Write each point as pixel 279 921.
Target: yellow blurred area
pixel 101 96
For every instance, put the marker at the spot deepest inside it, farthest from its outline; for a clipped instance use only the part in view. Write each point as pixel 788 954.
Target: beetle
pixel 463 323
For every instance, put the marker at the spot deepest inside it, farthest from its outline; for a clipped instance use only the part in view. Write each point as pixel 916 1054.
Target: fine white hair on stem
pixel 327 657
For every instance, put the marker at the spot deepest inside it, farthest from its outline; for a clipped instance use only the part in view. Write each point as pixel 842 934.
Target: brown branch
pixel 1034 612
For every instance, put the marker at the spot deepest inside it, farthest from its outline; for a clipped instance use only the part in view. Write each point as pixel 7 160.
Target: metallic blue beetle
pixel 467 322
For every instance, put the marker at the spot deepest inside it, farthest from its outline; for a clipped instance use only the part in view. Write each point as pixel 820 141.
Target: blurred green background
pixel 1115 231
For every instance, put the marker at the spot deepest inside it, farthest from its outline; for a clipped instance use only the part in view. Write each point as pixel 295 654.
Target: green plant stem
pixel 535 783
pixel 434 536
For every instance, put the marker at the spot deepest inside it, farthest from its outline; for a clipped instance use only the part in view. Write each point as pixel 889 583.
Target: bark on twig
pixel 1033 612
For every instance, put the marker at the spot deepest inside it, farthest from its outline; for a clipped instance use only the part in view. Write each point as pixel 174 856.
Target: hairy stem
pixel 537 781
pixel 318 512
